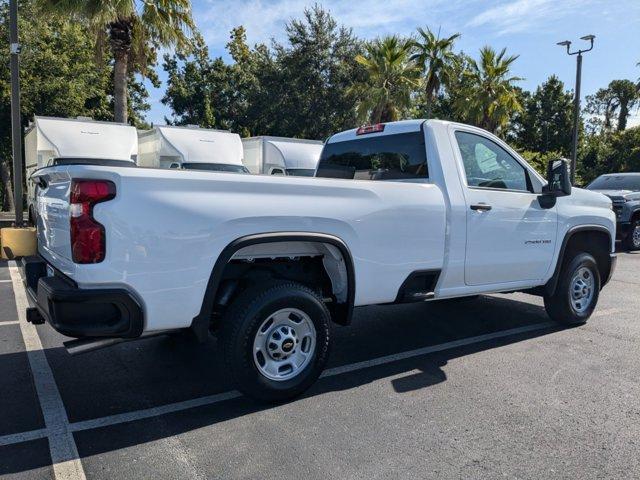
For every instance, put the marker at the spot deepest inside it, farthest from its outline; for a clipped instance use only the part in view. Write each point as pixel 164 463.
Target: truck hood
pixel 620 194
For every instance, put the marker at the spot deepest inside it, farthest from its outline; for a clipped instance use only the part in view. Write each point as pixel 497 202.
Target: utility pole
pixel 16 127
pixel 576 100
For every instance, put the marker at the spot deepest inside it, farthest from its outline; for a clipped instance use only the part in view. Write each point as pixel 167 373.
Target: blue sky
pixel 529 28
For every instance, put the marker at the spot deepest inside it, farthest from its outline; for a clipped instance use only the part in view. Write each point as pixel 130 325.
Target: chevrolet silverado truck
pixel 408 211
pixel 624 191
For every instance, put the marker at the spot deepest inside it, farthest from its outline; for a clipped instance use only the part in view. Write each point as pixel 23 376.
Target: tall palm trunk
pixel 120 89
pixel 120 42
pixel 429 102
pixel 622 116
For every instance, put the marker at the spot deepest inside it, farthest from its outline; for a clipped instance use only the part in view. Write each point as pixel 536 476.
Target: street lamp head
pixel 588 37
pixel 565 43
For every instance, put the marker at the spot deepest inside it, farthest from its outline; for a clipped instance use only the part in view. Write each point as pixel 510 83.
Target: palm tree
pixel 625 96
pixel 391 79
pixel 434 55
pixel 131 28
pixel 492 98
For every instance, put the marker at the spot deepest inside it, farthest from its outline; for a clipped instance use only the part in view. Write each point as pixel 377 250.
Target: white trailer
pixel 52 140
pixel 190 148
pixel 281 156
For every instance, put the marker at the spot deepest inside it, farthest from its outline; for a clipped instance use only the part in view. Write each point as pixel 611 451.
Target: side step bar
pixel 83 345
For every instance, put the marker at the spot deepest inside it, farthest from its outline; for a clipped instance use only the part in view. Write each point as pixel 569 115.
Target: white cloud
pixel 264 19
pixel 521 15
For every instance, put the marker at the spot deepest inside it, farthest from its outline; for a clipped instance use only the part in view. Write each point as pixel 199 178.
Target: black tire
pixel 632 240
pixel 560 306
pixel 239 329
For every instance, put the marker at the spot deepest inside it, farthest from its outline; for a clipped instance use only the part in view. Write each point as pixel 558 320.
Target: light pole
pixel 16 130
pixel 576 101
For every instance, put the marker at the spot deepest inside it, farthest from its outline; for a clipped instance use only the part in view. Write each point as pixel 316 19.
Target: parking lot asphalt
pixel 479 388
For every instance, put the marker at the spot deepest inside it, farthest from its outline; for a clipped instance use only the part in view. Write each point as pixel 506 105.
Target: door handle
pixel 482 207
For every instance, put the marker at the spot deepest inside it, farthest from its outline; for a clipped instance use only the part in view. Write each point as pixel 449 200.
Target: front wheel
pixel 632 241
pixel 275 340
pixel 577 291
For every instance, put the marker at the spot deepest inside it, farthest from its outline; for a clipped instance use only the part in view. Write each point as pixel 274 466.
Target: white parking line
pixel 332 372
pixel 64 427
pixel 6 281
pixel 23 436
pixel 62 446
pixel 434 348
pixel 154 412
pixel 11 322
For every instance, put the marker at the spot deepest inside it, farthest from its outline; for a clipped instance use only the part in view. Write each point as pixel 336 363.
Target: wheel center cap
pixel 287 345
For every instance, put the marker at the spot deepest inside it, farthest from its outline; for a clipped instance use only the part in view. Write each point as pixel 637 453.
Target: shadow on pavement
pixel 159 371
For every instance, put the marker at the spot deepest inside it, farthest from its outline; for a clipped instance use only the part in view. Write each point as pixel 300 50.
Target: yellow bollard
pixel 18 242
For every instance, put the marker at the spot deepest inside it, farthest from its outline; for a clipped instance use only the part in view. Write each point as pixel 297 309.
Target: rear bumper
pixel 77 312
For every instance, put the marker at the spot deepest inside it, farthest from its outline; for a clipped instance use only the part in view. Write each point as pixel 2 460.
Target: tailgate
pixel 52 200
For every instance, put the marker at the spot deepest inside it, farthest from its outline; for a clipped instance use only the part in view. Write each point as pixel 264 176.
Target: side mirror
pixel 558 178
pixel 558 183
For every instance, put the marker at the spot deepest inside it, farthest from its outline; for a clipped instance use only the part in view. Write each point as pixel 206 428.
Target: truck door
pixel 510 237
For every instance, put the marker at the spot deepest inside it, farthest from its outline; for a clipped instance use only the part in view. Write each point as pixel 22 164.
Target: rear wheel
pixel 275 340
pixel 632 241
pixel 577 291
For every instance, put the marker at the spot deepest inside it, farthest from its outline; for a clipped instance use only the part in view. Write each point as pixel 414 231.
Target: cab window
pixel 385 157
pixel 488 165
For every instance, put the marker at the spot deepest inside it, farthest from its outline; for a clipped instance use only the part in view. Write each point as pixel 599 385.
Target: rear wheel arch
pixel 341 312
pixel 593 239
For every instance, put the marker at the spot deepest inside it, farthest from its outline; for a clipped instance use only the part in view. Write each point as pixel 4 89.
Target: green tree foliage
pixel 615 152
pixel 545 123
pixel 490 98
pixel 392 77
pixel 540 160
pixel 133 31
pixel 435 57
pixel 614 102
pixel 298 89
pixel 59 76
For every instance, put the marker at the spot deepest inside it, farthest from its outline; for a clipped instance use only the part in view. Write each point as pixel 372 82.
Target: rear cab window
pixel 384 157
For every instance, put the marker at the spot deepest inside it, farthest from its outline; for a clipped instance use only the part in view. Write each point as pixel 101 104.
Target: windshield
pixel 215 167
pixel 616 182
pixel 301 172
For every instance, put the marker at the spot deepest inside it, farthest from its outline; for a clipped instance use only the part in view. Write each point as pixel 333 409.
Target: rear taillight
pixel 87 235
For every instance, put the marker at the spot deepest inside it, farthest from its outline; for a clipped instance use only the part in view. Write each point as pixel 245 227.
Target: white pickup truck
pixel 398 212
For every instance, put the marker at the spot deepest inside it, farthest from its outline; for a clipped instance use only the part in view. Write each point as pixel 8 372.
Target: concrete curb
pixel 17 242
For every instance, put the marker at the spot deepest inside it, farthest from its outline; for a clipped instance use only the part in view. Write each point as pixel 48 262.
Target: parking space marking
pixel 154 411
pixel 6 281
pixel 23 437
pixel 230 395
pixel 222 397
pixel 62 446
pixel 463 342
pixel 11 322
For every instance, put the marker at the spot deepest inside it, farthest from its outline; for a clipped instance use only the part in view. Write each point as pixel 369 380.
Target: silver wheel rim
pixel 581 289
pixel 636 237
pixel 284 344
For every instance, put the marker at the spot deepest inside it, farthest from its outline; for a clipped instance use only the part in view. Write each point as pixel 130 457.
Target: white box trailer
pixel 190 148
pixel 281 156
pixel 52 140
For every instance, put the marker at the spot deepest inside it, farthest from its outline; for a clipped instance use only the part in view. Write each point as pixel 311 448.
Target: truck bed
pixel 165 230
